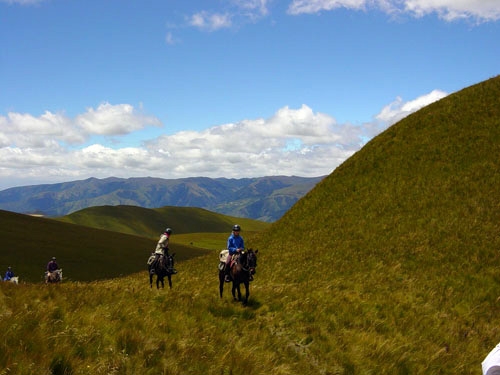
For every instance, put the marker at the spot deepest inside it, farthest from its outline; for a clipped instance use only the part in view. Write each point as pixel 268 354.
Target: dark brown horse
pixel 242 271
pixel 164 266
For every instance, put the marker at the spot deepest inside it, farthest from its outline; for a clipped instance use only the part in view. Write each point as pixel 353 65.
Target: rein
pixel 245 267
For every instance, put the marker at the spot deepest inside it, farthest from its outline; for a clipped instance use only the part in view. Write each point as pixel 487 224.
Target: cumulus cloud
pixel 110 119
pixel 27 131
pixel 294 141
pixel 449 10
pixel 398 109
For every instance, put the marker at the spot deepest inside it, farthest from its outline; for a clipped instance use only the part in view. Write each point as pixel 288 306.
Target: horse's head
pixel 251 260
pixel 170 260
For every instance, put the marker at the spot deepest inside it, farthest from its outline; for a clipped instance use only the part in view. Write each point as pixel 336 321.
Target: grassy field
pixel 390 265
pixel 87 253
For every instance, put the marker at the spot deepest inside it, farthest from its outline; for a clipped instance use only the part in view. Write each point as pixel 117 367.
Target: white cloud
pixel 315 6
pixel 27 131
pixel 486 10
pixel 398 109
pixel 301 142
pixel 210 21
pixel 449 10
pixel 254 8
pixel 110 119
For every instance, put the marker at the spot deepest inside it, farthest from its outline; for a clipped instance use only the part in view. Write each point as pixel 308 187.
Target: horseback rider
pixel 52 267
pixel 162 247
pixel 9 274
pixel 235 245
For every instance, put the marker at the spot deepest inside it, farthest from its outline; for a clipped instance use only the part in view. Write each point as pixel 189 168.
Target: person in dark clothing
pixel 52 265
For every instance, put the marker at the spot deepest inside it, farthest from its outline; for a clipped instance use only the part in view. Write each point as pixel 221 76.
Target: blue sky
pixel 226 88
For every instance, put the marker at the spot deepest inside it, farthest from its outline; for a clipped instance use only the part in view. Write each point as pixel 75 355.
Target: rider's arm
pixel 231 246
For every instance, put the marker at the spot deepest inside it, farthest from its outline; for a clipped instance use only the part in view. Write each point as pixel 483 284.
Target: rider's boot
pixel 227 277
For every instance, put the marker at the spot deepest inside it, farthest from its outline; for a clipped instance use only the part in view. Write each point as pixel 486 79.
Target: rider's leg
pixel 227 277
pixel 155 263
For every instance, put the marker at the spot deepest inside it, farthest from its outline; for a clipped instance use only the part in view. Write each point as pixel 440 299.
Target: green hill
pixel 84 253
pixel 402 246
pixel 390 265
pixel 148 222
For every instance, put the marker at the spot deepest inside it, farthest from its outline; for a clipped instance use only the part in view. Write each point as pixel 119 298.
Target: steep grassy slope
pixel 151 222
pixel 84 253
pixel 402 242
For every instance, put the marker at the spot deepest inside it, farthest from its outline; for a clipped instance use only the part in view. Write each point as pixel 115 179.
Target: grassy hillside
pixel 389 266
pixel 150 223
pixel 402 243
pixel 84 253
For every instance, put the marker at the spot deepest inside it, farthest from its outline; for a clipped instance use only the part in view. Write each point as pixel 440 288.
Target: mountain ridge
pixel 260 198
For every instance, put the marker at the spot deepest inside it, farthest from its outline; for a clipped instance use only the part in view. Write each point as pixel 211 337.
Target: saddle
pixel 223 258
pixel 151 259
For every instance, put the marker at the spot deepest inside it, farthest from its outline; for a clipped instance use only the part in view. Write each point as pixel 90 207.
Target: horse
pixel 53 277
pixel 164 266
pixel 242 271
pixel 14 279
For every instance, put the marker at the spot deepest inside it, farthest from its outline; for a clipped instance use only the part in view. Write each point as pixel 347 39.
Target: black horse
pixel 162 267
pixel 242 271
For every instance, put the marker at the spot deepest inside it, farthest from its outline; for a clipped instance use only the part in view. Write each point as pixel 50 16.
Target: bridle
pixel 248 266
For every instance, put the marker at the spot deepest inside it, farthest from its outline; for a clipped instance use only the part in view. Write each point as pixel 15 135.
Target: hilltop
pixel 389 265
pixel 262 198
pixel 148 222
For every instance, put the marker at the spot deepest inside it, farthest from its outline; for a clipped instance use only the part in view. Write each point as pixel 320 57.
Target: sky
pixel 223 88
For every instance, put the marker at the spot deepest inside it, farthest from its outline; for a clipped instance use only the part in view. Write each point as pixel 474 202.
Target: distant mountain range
pixel 262 198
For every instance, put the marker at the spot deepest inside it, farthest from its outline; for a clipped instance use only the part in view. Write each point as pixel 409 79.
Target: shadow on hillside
pixel 231 308
pixel 253 304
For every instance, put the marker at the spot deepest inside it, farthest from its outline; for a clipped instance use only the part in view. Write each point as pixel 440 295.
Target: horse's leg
pixel 170 281
pixel 239 291
pixel 233 290
pixel 247 291
pixel 236 288
pixel 221 282
pixel 150 280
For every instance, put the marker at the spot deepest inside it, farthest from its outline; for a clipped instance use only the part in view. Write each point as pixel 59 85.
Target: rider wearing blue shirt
pixel 9 274
pixel 235 245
